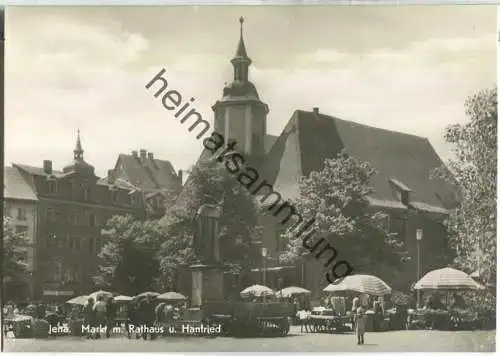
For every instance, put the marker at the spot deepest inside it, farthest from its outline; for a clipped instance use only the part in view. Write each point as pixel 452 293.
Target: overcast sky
pixel 404 68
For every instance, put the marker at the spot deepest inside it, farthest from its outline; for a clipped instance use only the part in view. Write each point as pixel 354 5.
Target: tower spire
pixel 241 61
pixel 78 151
pixel 241 27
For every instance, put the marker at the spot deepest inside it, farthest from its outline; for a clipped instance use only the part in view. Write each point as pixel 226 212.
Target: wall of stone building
pixel 434 252
pixel 433 246
pixel 72 244
pixel 23 215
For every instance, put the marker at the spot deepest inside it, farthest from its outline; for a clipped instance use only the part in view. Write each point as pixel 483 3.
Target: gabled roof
pixel 150 174
pixel 407 160
pixel 16 187
pixel 37 171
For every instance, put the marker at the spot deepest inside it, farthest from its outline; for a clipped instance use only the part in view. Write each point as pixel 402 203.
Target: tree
pixel 14 267
pixel 130 263
pixel 472 225
pixel 211 183
pixel 336 197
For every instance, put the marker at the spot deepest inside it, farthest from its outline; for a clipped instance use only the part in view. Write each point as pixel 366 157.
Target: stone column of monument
pixel 207 277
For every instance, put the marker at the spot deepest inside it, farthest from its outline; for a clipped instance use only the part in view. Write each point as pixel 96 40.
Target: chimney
pixel 110 176
pixel 143 154
pixel 316 111
pixel 134 154
pixel 47 166
pixel 179 174
pixel 150 156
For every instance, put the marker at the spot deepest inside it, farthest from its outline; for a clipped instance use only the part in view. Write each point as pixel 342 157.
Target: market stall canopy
pixel 146 295
pixel 172 296
pixel 360 283
pixel 447 279
pixel 290 291
pixel 257 290
pixel 81 300
pixel 102 293
pixel 122 298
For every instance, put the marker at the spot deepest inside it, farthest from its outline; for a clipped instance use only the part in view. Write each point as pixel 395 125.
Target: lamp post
pixel 419 236
pixel 264 257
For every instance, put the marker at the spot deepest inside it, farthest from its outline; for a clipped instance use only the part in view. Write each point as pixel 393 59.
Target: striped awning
pixel 447 279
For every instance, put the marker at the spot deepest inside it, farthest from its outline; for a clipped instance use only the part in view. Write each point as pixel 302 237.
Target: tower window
pixel 256 143
pixel 87 194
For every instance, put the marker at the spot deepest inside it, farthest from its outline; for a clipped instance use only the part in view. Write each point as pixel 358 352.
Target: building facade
pixel 20 207
pixel 72 207
pixel 155 179
pixel 404 190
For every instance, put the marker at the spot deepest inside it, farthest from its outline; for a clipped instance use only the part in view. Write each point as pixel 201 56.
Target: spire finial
pixel 78 151
pixel 242 19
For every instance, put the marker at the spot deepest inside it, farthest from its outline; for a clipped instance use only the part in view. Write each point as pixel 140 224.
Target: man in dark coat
pixel 110 316
pixel 90 319
pixel 147 316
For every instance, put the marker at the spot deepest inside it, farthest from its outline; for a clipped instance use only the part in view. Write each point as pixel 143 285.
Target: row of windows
pixel 80 219
pixel 92 245
pixel 86 194
pixel 57 273
pixel 21 213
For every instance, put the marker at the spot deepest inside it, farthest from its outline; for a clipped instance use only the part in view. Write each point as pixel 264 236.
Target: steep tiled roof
pixel 151 174
pixel 37 171
pixel 310 138
pixel 16 187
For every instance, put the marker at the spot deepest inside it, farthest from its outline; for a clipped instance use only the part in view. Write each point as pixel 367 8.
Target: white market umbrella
pixel 80 300
pixel 447 279
pixel 122 298
pixel 148 294
pixel 257 290
pixel 171 296
pixel 102 293
pixel 290 291
pixel 360 283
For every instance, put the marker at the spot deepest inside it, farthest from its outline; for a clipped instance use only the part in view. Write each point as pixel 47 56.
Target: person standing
pixel 147 316
pixel 90 316
pixel 360 325
pixel 132 320
pixel 100 314
pixel 110 316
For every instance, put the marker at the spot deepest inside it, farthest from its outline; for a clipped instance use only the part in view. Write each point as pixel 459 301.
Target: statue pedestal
pixel 207 284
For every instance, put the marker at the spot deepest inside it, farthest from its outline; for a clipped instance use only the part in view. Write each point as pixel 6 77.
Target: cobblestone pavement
pixel 407 341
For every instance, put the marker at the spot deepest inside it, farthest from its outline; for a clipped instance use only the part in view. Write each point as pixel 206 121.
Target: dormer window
pixel 405 197
pixel 51 186
pixel 402 190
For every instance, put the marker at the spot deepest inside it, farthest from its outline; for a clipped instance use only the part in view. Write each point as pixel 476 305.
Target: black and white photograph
pixel 250 178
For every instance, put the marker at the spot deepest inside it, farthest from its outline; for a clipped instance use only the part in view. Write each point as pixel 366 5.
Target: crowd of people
pixel 99 317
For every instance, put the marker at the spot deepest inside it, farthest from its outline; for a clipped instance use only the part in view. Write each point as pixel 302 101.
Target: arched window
pixel 91 219
pixel 87 196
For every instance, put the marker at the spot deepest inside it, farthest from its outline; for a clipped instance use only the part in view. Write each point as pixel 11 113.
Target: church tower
pixel 240 115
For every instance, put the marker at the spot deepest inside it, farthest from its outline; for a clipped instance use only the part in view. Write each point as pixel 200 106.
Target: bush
pixel 483 306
